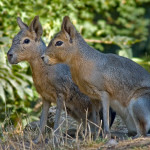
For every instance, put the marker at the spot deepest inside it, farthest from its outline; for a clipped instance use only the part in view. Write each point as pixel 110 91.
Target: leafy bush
pixel 94 19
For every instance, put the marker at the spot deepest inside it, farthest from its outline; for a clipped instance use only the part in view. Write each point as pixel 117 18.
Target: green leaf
pixel 2 93
pixel 29 92
pixel 26 77
pixel 9 89
pixel 19 89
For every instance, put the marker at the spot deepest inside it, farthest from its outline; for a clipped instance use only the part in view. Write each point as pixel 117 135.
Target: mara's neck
pixel 37 65
pixel 83 54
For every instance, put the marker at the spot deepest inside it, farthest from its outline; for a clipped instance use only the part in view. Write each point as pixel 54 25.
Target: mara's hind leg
pixel 43 120
pixel 141 114
pixel 105 103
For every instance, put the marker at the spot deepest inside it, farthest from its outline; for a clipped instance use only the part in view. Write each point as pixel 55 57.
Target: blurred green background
pixel 116 26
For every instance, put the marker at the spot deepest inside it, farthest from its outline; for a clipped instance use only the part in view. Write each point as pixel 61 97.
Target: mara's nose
pixel 42 57
pixel 9 55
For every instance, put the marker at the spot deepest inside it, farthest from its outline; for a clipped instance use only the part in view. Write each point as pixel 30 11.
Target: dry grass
pixel 70 137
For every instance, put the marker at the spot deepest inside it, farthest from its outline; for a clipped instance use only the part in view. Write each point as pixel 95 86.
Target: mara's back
pixel 123 79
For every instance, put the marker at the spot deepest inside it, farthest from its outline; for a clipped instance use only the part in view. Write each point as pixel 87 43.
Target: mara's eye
pixel 58 43
pixel 26 41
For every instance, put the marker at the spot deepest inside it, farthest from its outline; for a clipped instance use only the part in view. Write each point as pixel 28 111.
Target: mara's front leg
pixel 95 118
pixel 59 107
pixel 43 120
pixel 105 103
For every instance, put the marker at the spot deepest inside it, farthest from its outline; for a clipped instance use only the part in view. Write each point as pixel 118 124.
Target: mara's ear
pixel 68 28
pixel 36 27
pixel 21 24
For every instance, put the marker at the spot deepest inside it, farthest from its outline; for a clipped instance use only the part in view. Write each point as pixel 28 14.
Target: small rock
pixel 112 142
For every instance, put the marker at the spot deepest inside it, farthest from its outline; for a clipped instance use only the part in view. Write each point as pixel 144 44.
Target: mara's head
pixel 27 43
pixel 63 46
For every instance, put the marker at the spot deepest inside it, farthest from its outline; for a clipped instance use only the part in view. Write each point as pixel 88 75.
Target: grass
pixel 20 138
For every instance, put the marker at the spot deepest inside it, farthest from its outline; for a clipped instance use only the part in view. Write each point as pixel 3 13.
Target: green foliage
pixel 112 25
pixel 94 19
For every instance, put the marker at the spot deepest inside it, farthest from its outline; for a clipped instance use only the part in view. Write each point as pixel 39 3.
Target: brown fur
pixel 115 80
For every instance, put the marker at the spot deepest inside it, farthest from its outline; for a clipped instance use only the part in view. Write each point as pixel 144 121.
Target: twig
pixel 98 41
pixel 37 106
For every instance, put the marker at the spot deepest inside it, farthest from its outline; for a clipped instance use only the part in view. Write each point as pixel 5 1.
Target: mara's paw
pixel 107 135
pixel 137 136
pixel 39 139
